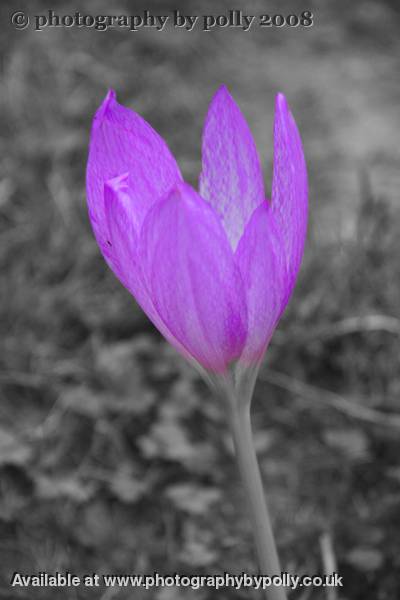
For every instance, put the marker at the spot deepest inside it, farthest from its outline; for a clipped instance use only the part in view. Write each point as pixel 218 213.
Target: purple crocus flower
pixel 213 269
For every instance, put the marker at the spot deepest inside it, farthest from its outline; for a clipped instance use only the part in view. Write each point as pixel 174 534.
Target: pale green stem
pixel 250 473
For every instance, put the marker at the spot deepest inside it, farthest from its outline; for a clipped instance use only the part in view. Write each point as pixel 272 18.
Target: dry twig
pixel 329 562
pixel 359 324
pixel 314 394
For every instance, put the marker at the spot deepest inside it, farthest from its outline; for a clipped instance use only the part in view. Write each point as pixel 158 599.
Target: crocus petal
pixel 231 179
pixel 260 256
pixel 122 231
pixel 123 241
pixel 122 142
pixel 289 187
pixel 195 285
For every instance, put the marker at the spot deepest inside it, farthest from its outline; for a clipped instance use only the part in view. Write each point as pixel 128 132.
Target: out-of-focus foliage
pixel 113 456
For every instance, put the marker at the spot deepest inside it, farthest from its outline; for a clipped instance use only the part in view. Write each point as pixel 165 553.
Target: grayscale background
pixel 113 456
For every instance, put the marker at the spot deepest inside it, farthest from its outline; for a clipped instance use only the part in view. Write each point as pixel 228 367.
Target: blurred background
pixel 113 456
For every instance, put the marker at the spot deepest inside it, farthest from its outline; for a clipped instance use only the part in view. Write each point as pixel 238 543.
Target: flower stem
pixel 250 473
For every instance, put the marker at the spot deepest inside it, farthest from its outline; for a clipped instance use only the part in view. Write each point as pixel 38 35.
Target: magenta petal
pixel 260 257
pixel 123 242
pixel 231 179
pixel 194 282
pixel 122 232
pixel 122 142
pixel 289 186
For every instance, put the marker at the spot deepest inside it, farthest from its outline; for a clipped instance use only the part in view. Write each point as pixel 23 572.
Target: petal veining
pixel 123 142
pixel 195 285
pixel 231 179
pixel 123 241
pixel 289 186
pixel 260 257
